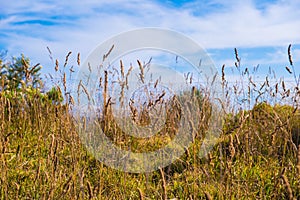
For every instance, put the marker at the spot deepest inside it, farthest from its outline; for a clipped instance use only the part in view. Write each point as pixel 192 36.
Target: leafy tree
pixel 19 79
pixel 20 74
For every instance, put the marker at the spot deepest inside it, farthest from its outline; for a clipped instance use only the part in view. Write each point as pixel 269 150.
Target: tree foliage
pixel 19 73
pixel 19 79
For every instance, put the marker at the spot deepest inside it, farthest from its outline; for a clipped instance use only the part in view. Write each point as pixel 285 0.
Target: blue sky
pixel 261 30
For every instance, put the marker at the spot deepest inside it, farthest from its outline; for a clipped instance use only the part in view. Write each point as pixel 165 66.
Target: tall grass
pixel 257 156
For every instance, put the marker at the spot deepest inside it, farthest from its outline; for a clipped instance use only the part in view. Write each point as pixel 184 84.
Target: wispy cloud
pixel 30 27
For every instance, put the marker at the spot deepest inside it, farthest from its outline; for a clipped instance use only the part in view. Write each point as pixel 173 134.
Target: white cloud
pixel 81 25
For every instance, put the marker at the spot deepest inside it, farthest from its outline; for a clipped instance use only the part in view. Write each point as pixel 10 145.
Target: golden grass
pixel 257 156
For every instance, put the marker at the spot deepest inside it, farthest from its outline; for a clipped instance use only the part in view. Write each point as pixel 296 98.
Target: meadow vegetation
pixel 256 157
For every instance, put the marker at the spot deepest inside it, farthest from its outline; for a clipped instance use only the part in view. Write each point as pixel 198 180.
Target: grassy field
pixel 257 155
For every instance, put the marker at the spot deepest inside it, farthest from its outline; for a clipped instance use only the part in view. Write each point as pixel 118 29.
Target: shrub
pixel 263 131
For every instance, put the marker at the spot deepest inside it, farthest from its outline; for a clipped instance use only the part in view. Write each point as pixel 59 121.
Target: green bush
pixel 263 131
pixel 55 95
